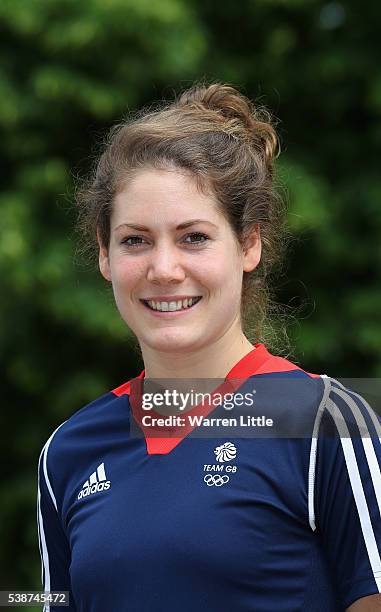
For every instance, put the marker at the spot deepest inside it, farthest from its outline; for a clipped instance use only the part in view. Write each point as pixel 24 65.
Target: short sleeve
pixel 53 544
pixel 347 492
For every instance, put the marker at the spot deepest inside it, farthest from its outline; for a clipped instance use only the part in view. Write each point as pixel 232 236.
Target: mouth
pixel 172 308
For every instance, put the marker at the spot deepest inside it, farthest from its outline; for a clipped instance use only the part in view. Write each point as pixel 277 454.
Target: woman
pixel 188 226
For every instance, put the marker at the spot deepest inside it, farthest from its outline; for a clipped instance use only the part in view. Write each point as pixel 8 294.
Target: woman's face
pixel 154 256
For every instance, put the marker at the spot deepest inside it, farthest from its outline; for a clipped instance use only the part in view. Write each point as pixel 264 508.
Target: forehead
pixel 157 195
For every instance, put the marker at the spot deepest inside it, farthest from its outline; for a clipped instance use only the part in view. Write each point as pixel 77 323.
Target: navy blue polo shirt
pixel 230 521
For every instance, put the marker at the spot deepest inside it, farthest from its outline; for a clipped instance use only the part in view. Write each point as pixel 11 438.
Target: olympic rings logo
pixel 216 479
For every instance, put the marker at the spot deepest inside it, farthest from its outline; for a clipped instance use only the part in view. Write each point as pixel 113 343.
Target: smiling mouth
pixel 172 306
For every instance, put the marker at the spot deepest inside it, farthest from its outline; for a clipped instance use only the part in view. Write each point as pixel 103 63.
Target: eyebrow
pixel 184 225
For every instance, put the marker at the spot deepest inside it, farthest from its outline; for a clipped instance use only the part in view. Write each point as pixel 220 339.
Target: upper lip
pixel 168 298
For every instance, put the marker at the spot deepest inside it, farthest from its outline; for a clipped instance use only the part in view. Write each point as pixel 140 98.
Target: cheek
pixel 224 272
pixel 126 273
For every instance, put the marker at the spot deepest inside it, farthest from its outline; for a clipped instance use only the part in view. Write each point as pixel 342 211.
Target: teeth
pixel 172 306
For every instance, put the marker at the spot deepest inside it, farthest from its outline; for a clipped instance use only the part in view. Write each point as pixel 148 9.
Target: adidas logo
pixel 97 482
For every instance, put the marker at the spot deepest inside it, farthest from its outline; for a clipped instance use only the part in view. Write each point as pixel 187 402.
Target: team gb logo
pixel 225 452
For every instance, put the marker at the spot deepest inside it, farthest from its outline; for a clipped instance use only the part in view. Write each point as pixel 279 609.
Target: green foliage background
pixel 68 71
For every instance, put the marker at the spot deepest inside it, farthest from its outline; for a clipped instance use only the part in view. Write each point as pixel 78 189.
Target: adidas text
pixel 98 486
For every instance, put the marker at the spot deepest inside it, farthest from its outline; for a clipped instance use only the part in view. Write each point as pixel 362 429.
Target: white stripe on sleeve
pixel 45 570
pixel 358 491
pixel 367 442
pixel 313 452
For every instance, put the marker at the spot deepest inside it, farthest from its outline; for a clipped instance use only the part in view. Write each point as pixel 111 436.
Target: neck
pixel 212 361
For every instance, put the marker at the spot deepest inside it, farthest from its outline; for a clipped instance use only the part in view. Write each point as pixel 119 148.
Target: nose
pixel 165 266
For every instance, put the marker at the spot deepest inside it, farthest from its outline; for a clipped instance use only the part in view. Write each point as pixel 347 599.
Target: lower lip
pixel 168 314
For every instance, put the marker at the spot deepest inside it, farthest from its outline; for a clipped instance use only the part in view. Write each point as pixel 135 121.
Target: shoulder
pixel 69 439
pixel 283 375
pixel 321 395
pixel 346 444
pixel 71 446
pixel 348 411
pixel 292 394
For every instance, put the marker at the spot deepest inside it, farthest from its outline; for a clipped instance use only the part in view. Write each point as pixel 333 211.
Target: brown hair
pixel 229 145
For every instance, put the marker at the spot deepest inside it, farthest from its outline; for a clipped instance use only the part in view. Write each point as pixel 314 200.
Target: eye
pixel 196 242
pixel 137 241
pixel 132 244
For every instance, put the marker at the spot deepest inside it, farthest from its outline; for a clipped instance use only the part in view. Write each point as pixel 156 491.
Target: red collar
pixel 257 361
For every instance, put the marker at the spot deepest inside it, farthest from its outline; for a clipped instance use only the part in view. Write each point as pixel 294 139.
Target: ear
pixel 104 265
pixel 252 250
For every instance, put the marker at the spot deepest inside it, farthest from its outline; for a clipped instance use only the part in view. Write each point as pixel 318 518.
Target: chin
pixel 173 343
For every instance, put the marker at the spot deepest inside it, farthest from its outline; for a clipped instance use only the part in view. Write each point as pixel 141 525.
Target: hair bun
pixel 230 104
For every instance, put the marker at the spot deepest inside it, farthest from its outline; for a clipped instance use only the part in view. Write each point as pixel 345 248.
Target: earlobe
pixel 252 251
pixel 104 265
